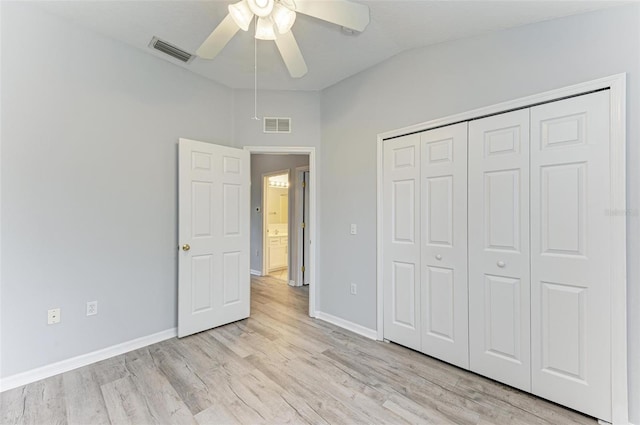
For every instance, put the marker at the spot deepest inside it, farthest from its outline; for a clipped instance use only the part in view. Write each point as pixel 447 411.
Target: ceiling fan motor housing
pixel 261 8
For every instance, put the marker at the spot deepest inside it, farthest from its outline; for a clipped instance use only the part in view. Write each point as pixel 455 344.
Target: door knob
pixel 186 247
pixel 438 257
pixel 501 264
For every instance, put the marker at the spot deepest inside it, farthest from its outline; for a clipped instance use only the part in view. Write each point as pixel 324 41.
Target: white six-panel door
pixel 443 288
pixel 213 232
pixel 499 291
pixel 570 253
pixel 401 236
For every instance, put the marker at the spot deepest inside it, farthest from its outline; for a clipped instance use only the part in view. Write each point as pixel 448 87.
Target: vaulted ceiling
pixel 331 53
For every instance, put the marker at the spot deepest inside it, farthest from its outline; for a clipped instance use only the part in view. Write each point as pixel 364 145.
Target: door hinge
pixel 304 184
pixel 302 268
pixel 303 225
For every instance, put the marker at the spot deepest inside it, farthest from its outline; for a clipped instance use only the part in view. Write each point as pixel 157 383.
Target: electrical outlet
pixel 53 316
pixel 354 229
pixel 354 289
pixel 92 308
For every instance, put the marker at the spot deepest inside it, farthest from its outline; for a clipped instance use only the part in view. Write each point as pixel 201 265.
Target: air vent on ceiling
pixel 171 50
pixel 277 125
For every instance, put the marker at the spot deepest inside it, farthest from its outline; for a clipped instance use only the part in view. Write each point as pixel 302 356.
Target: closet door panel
pixel 444 244
pixel 499 291
pixel 401 240
pixel 570 258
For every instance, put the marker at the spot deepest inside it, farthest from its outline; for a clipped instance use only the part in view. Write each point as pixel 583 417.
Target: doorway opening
pixel 284 250
pixel 275 225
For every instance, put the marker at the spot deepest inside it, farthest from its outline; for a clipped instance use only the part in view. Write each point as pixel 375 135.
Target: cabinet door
pixel 570 258
pixel 277 256
pixel 499 296
pixel 443 288
pixel 401 240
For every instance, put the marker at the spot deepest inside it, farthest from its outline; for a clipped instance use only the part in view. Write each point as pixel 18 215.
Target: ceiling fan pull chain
pixel 255 76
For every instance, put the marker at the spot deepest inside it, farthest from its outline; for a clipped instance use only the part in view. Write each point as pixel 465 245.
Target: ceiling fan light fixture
pixel 241 14
pixel 264 29
pixel 283 17
pixel 261 8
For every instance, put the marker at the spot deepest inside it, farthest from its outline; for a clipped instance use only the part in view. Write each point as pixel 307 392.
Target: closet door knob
pixel 438 257
pixel 501 264
pixel 186 247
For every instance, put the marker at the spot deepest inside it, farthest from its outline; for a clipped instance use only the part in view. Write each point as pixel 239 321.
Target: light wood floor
pixel 277 367
pixel 282 274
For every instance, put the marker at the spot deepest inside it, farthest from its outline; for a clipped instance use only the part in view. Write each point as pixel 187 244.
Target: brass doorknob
pixel 186 247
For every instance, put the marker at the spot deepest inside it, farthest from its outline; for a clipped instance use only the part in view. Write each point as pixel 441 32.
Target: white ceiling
pixel 331 55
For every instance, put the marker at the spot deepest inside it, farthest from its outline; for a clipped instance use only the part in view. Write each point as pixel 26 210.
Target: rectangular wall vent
pixel 277 125
pixel 171 50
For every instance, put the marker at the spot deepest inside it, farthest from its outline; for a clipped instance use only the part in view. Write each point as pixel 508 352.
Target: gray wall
pixel 449 78
pixel 262 164
pixel 89 182
pixel 302 107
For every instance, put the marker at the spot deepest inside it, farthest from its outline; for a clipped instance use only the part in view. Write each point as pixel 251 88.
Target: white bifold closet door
pixel 444 244
pixel 401 240
pixel 570 253
pixel 499 291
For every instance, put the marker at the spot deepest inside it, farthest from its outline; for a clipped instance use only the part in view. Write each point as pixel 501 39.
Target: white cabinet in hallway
pixel 496 248
pixel 278 252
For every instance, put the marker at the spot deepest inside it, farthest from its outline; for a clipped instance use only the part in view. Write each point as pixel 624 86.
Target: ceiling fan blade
pixel 218 38
pixel 340 12
pixel 288 47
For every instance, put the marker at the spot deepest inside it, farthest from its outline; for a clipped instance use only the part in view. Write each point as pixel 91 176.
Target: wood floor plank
pixel 497 394
pixel 217 414
pixel 415 388
pixel 195 393
pixel 302 383
pixel 84 401
pixel 254 390
pixel 163 400
pixel 126 404
pixel 12 405
pixel 41 402
pixel 413 413
pixel 233 403
pixel 236 342
pixel 255 325
pixel 110 370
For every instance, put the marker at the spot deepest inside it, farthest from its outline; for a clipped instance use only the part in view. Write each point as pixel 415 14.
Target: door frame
pixel 313 172
pixel 616 84
pixel 265 219
pixel 298 277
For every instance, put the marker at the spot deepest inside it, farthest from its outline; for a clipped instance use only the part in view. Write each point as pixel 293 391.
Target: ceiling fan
pixel 274 19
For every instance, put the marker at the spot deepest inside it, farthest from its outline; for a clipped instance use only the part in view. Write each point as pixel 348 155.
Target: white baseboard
pixel 52 369
pixel 345 324
pixel 256 272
